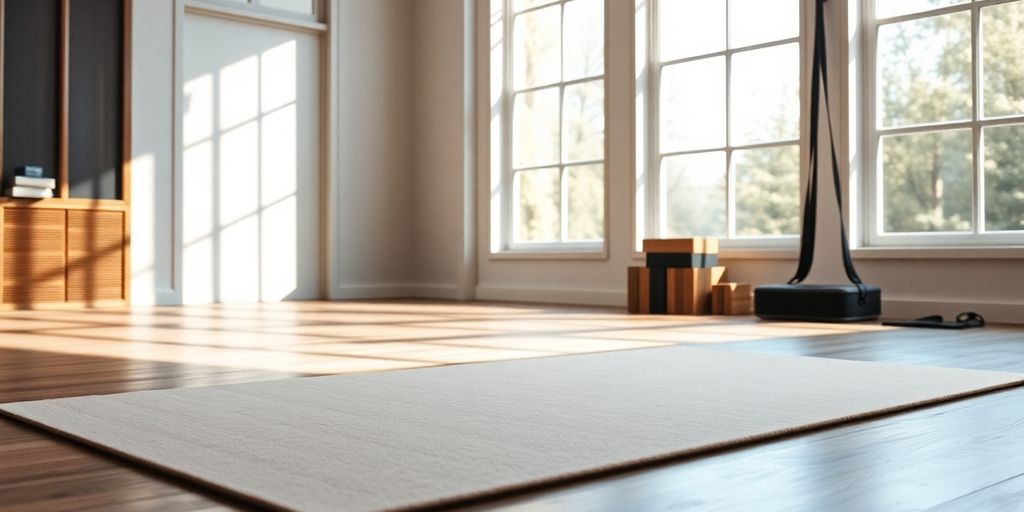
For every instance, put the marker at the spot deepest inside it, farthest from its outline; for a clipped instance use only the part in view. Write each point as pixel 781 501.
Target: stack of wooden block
pixel 681 278
pixel 678 278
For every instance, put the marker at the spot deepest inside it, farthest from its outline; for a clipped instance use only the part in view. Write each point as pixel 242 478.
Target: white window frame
pixel 650 203
pixel 503 242
pixel 256 7
pixel 872 201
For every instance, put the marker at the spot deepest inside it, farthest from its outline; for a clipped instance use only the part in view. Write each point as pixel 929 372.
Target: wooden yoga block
pixel 643 291
pixel 681 260
pixel 732 299
pixel 646 290
pixel 633 290
pixel 689 289
pixel 695 245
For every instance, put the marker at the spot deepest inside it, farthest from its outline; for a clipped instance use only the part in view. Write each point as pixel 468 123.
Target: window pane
pixel 693 105
pixel 927 181
pixel 1004 178
pixel 522 5
pixel 688 28
pixel 586 202
pixel 1002 53
pixel 766 95
pixel 924 70
pixel 299 6
pixel 762 21
pixel 538 198
pixel 537 48
pixel 887 8
pixel 584 121
pixel 694 194
pixel 767 191
pixel 535 128
pixel 584 39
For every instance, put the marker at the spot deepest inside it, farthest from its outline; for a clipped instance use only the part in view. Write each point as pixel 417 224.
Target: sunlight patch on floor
pixel 341 337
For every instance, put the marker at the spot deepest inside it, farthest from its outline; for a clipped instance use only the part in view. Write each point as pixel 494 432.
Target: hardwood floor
pixel 966 455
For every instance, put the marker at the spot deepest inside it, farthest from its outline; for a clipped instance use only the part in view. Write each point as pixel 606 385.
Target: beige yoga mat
pixel 434 436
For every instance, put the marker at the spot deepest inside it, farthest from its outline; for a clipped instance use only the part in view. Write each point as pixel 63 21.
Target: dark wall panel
pixel 31 85
pixel 95 122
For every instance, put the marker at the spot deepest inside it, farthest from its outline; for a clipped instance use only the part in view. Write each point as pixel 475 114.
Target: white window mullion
pixel 661 189
pixel 563 203
pixel 759 46
pixel 871 192
pixel 978 163
pixel 977 199
pixel 563 213
pixel 924 128
pixel 509 191
pixel 589 78
pixel 730 181
pixel 512 219
pixel 655 210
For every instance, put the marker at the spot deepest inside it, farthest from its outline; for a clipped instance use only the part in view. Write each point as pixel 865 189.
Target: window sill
pixel 882 253
pixel 940 253
pixel 726 253
pixel 597 255
pixel 759 254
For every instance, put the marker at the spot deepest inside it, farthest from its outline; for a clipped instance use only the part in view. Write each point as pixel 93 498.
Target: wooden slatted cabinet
pixel 55 255
pixel 34 256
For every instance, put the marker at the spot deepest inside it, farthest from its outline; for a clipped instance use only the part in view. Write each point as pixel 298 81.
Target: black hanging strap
pixel 819 81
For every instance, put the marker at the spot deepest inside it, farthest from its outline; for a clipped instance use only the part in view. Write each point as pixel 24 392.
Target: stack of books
pixel 682 277
pixel 29 182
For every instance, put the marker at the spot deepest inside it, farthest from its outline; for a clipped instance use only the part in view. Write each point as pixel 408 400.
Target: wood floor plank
pixel 909 461
pixel 1005 496
pixel 965 455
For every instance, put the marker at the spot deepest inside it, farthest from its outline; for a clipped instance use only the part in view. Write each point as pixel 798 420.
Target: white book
pixel 30 192
pixel 26 181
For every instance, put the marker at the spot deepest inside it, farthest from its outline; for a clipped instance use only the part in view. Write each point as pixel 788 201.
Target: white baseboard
pixel 994 312
pixel 370 291
pixel 164 297
pixel 434 291
pixel 396 291
pixel 552 295
pixel 168 298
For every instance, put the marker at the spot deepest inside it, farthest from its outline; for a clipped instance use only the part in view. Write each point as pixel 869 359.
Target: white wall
pixel 442 118
pixel 374 203
pixel 152 263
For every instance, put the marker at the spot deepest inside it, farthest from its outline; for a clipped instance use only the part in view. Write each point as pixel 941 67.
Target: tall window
pixel 554 111
pixel 724 119
pixel 946 122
